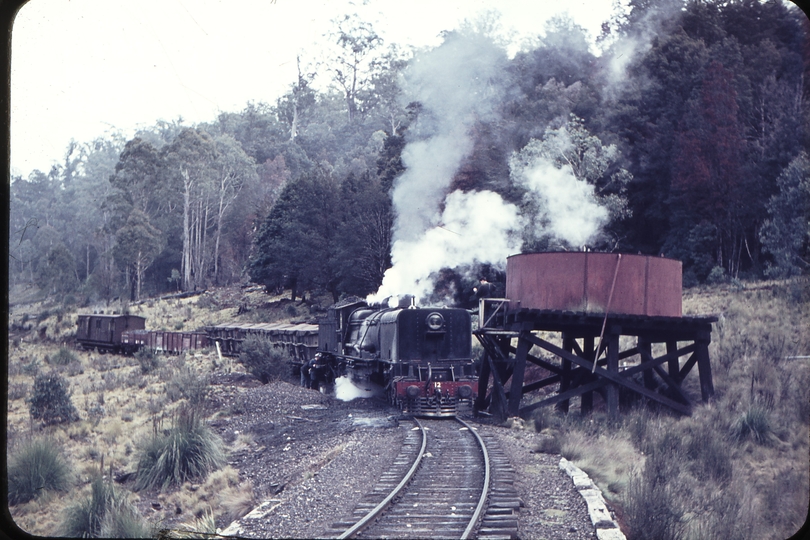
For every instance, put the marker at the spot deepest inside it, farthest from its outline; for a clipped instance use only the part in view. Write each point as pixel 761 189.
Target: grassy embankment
pixel 123 403
pixel 738 467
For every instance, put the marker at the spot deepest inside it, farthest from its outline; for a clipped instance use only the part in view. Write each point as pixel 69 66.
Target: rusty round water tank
pixel 581 281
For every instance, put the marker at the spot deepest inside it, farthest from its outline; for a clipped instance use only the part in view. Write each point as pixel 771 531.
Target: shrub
pixel 50 401
pixel 37 466
pixel 147 359
pixel 64 357
pixel 17 391
pixel 188 383
pixel 262 359
pixel 106 513
pixel 650 504
pixel 189 451
pixel 709 453
pixel 754 423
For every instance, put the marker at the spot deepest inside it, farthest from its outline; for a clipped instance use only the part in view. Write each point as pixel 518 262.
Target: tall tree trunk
pixel 186 262
pixel 138 276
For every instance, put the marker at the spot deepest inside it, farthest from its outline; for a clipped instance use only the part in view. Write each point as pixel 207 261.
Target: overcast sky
pixel 80 68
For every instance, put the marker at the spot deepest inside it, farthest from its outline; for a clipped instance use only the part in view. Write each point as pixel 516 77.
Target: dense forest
pixel 421 170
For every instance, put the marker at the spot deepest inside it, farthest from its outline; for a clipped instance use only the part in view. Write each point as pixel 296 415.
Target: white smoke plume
pixel 566 206
pixel 475 227
pixel 347 390
pixel 456 84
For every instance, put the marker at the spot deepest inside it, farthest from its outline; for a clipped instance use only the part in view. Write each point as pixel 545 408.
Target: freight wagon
pixel 103 331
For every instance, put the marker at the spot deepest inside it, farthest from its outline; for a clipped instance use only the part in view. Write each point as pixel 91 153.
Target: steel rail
pixel 482 501
pixel 377 510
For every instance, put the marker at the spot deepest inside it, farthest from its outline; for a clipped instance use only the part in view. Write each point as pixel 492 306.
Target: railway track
pixel 446 482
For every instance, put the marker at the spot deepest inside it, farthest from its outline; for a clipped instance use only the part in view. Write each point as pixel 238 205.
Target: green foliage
pixel 50 400
pixel 138 242
pixel 147 359
pixel 754 423
pixel 786 234
pixel 37 466
pixel 363 241
pixel 717 275
pixel 107 513
pixel 64 357
pixel 57 271
pixel 294 244
pixel 188 451
pixel 188 383
pixel 262 359
pixel 708 451
pixel 652 510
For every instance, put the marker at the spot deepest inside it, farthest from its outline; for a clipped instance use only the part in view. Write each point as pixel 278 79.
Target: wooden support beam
pixel 542 383
pixel 497 401
pixel 672 364
pixel 687 367
pixel 519 369
pixel 645 351
pixel 556 398
pixel 613 371
pixel 704 369
pixel 481 402
pixel 565 380
pixel 671 383
pixel 648 360
pixel 620 379
pixel 586 400
pixel 539 362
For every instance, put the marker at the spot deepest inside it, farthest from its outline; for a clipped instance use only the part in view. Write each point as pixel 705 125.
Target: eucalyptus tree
pixel 234 170
pixel 786 233
pixel 351 65
pixel 137 245
pixel 189 163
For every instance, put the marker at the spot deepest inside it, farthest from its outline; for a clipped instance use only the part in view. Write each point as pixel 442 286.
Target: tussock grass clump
pixel 188 451
pixel 50 400
pixel 36 467
pixel 263 360
pixel 107 513
pixel 651 504
pixel 754 423
pixel 203 526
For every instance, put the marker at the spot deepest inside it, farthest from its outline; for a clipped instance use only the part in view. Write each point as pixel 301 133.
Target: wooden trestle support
pixel 572 365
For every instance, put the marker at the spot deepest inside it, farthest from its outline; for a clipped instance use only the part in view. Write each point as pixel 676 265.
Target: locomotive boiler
pixel 420 356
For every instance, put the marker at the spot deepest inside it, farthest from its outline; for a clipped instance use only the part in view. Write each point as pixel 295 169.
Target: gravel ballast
pixel 310 458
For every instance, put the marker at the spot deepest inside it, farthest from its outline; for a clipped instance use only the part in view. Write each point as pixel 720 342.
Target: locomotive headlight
pixel 464 392
pixel 435 321
pixel 413 391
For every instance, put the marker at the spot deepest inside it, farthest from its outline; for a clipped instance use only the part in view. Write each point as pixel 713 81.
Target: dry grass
pixel 607 458
pixel 737 468
pixel 118 404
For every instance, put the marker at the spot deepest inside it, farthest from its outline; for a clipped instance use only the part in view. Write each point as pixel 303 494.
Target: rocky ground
pixel 311 457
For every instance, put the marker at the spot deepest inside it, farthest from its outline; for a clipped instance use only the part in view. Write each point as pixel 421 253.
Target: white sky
pixel 82 67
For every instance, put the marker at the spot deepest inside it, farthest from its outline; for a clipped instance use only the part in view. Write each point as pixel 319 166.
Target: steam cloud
pixel 569 209
pixel 474 227
pixel 457 84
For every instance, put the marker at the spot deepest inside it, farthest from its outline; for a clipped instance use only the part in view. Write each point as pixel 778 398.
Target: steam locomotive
pixel 421 356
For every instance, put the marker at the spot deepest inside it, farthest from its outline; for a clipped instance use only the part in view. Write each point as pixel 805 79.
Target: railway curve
pixel 440 485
